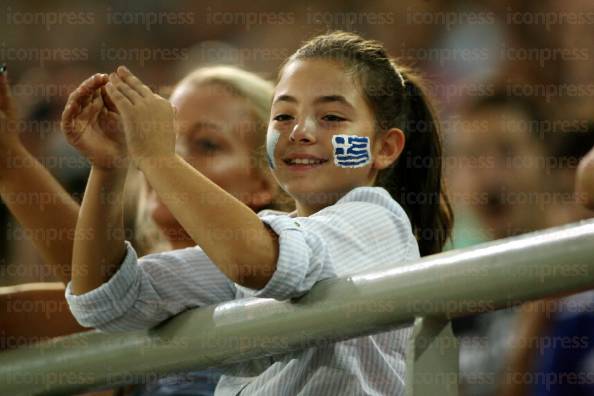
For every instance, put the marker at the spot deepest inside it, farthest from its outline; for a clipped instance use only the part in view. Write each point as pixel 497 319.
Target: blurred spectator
pixel 495 171
pixel 555 350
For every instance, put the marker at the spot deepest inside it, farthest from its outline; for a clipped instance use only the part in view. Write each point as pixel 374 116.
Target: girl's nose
pixel 303 132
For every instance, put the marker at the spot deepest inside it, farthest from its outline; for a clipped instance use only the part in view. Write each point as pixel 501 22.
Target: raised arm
pixel 48 206
pixel 92 128
pixel 99 245
pixel 204 209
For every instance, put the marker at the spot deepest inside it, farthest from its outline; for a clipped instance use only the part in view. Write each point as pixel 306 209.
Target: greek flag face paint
pixel 351 151
pixel 271 140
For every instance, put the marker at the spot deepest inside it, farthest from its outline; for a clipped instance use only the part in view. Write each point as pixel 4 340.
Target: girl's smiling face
pixel 314 100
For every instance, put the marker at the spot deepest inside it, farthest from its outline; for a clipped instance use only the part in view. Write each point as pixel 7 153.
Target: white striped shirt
pixel 366 229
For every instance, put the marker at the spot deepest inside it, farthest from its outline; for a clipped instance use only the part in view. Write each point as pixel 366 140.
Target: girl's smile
pixel 299 162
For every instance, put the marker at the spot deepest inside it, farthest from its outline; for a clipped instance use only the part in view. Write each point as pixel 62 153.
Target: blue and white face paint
pixel 351 151
pixel 271 141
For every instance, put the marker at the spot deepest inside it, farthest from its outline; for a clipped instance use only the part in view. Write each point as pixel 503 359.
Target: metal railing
pixel 429 292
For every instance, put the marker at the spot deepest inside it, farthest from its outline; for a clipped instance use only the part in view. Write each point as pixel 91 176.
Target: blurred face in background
pixel 496 171
pixel 217 136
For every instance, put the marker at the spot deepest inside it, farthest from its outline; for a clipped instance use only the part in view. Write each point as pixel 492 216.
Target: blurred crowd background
pixel 512 79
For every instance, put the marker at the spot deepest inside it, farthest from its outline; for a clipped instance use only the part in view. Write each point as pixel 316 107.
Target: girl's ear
pixel 389 146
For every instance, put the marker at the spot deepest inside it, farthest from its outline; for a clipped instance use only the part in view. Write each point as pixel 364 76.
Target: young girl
pixel 345 121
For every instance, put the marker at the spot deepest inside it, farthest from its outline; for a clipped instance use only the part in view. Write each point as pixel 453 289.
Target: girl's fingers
pixel 67 123
pixel 97 102
pixel 75 119
pixel 80 102
pixel 94 82
pixel 79 97
pixel 109 105
pixel 82 96
pixel 90 110
pixel 129 93
pixel 91 84
pixel 121 102
pixel 109 123
pixel 68 113
pixel 71 111
pixel 133 81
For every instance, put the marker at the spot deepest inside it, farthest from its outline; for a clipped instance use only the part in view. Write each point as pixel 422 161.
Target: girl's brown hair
pixel 397 99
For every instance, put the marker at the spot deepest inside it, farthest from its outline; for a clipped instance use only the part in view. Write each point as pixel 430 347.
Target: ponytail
pixel 415 180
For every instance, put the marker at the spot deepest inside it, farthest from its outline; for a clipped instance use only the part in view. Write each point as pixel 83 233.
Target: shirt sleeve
pixel 364 230
pixel 143 293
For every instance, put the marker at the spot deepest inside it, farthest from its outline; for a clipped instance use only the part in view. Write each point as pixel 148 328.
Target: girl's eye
pixel 333 118
pixel 282 117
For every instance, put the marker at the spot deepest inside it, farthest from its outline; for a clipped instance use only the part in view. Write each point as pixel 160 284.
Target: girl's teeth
pixel 305 161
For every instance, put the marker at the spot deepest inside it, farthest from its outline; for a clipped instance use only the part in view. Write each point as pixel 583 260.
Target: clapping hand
pixel 148 119
pixel 93 126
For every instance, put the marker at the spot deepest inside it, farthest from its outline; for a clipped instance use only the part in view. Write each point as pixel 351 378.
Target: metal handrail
pixel 457 283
